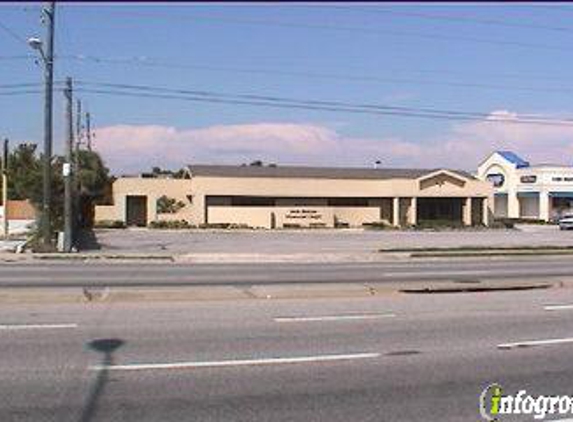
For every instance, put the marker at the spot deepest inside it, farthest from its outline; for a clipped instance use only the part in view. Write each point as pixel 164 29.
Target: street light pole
pixel 46 223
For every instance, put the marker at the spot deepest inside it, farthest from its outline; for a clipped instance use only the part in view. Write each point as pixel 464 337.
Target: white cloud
pixel 129 148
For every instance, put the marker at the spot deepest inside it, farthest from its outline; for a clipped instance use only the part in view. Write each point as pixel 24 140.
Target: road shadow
pixel 107 347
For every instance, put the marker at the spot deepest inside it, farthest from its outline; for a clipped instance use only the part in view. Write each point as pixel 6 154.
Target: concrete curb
pixel 89 295
pixel 84 257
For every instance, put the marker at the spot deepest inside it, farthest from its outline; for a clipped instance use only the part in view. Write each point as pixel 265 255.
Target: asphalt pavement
pixel 396 358
pixel 81 274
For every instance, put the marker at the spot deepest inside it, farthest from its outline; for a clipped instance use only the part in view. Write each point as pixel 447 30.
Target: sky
pixel 509 60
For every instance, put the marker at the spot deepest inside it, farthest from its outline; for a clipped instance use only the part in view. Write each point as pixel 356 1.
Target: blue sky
pixel 416 56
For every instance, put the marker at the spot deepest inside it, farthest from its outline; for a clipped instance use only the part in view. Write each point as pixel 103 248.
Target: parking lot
pixel 320 241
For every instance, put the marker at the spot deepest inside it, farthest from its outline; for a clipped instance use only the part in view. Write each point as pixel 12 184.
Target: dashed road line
pixel 534 343
pixel 15 327
pixel 558 307
pixel 234 363
pixel 333 318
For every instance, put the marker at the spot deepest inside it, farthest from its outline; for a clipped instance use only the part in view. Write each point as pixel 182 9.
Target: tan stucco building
pixel 288 196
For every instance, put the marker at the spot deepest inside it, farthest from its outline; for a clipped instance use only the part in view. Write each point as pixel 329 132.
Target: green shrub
pixel 502 224
pixel 513 221
pixel 110 224
pixel 167 205
pixel 239 226
pixel 214 225
pixel 377 225
pixel 439 224
pixel 172 224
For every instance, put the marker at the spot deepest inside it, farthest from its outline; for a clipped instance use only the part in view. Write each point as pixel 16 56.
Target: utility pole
pixel 67 170
pixel 78 123
pixel 77 182
pixel 49 14
pixel 88 131
pixel 5 187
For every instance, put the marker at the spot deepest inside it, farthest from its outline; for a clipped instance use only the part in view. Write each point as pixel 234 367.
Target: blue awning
pixel 561 194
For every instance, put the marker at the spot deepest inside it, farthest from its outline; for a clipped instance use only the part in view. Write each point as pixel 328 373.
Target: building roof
pixel 514 158
pixel 313 172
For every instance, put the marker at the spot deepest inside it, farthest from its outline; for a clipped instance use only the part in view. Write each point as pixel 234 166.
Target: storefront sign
pixel 528 179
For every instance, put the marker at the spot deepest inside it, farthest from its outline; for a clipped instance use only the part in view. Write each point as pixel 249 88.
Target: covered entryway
pixel 447 210
pixel 136 210
pixel 561 203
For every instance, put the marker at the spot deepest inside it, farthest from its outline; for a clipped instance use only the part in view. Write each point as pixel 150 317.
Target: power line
pixel 200 18
pixel 26 84
pixel 13 33
pixel 149 62
pixel 451 18
pixel 26 92
pixel 258 100
pixel 283 99
pixel 17 57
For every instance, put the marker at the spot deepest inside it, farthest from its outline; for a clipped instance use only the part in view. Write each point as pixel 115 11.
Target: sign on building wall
pixel 306 215
pixel 497 179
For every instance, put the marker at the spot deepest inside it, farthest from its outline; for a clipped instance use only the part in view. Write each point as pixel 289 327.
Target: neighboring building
pixel 286 196
pixel 541 192
pixel 21 216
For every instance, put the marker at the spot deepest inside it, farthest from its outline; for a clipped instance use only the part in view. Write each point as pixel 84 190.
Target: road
pixel 77 274
pixel 395 358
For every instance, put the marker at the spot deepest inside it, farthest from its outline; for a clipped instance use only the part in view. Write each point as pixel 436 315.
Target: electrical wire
pixel 13 33
pixel 202 18
pixel 449 18
pixel 242 99
pixel 150 62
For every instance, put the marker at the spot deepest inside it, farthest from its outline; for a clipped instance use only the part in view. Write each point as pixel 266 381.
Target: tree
pixel 25 180
pixel 24 172
pixel 158 171
pixel 93 185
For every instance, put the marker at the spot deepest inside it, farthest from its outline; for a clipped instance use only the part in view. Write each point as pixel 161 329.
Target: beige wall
pixel 303 216
pixel 357 216
pixel 251 216
pixel 440 184
pixel 153 189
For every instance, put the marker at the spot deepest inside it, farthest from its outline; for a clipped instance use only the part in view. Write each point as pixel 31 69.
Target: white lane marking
pixel 10 327
pixel 445 272
pixel 333 318
pixel 535 343
pixel 557 308
pixel 225 363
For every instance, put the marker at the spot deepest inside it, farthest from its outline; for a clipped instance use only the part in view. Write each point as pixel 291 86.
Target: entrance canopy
pixel 561 194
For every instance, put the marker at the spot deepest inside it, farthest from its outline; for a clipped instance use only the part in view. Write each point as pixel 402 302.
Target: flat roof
pixel 207 170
